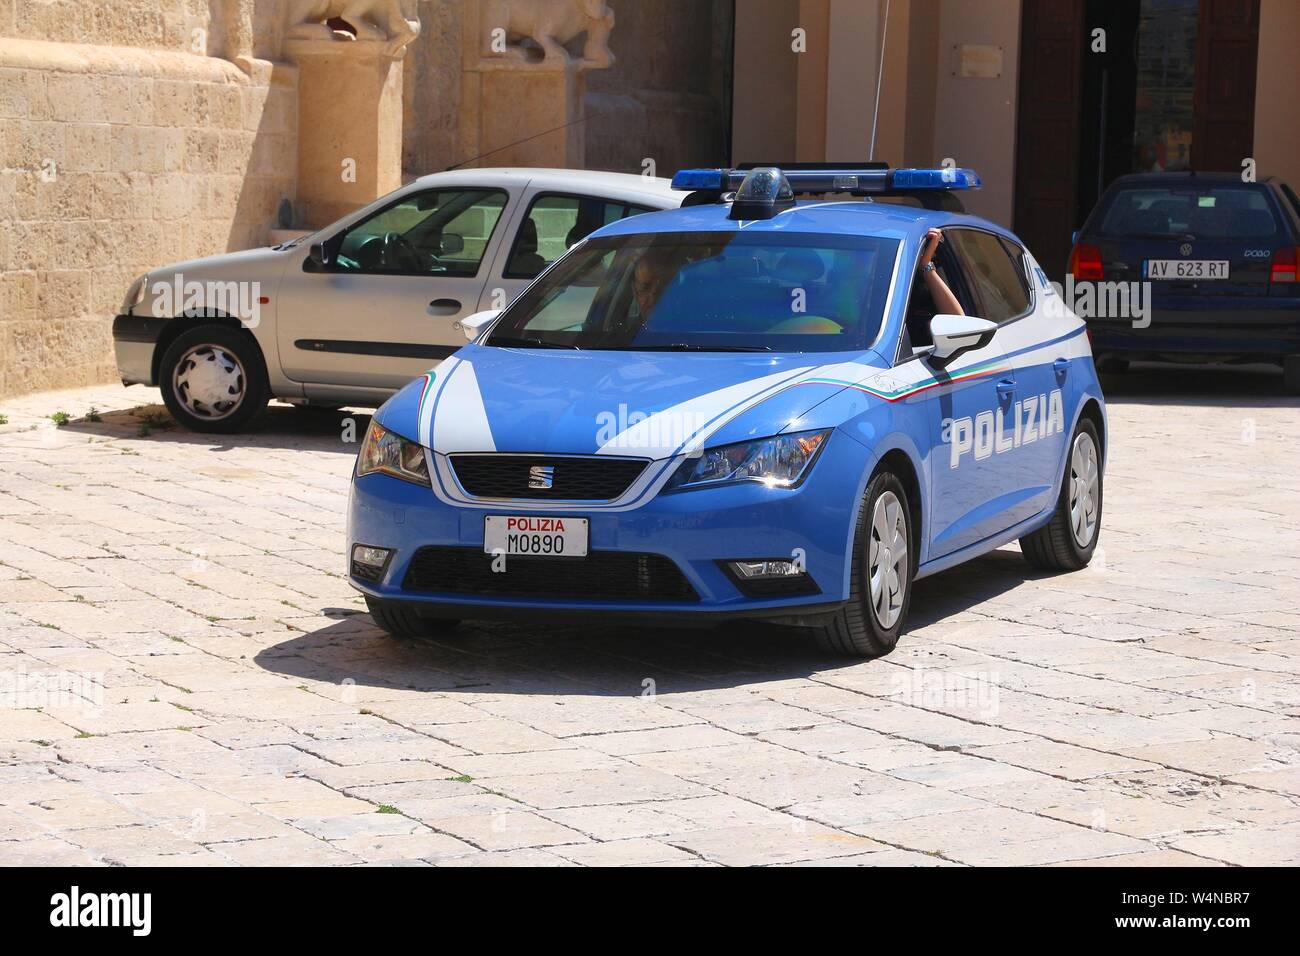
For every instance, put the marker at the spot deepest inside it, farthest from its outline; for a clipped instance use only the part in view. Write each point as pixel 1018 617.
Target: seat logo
pixel 541 477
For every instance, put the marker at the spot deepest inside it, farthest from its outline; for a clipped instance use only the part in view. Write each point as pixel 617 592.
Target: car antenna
pixel 880 77
pixel 518 142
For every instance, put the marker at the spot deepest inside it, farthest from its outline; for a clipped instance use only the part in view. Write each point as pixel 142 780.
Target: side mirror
pixel 450 243
pixel 474 325
pixel 955 334
pixel 319 257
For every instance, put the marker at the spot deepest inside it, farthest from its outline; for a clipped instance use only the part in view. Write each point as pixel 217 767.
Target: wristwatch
pixel 928 267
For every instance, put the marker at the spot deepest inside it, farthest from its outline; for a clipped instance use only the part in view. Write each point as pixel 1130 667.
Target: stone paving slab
pixel 189 680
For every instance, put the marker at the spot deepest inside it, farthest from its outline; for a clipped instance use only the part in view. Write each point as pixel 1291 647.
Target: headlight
pixel 135 294
pixel 388 453
pixel 778 462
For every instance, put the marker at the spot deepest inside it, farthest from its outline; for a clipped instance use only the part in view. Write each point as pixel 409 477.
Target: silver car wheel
pixel 887 559
pixel 209 382
pixel 1085 486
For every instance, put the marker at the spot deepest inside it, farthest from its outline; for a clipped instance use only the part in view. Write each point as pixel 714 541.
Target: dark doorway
pixel 1172 86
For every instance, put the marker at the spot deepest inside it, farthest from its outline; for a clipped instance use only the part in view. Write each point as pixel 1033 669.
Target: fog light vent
pixel 368 563
pixel 770 577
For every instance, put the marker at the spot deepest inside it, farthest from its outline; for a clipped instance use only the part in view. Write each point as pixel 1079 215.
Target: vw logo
pixel 1185 248
pixel 541 477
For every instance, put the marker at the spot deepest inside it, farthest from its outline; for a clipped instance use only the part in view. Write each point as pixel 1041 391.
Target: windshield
pixel 1219 211
pixel 713 291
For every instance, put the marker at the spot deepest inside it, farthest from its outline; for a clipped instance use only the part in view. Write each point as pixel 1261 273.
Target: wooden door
pixel 1047 135
pixel 1227 50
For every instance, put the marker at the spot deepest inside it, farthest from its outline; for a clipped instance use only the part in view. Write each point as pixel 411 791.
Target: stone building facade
pixel 135 133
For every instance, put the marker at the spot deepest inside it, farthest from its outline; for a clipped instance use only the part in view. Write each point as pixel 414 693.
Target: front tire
pixel 1066 543
pixel 880 581
pixel 213 379
pixel 405 624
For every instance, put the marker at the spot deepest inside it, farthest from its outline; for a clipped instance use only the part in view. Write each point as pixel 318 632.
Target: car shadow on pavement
pixel 1218 385
pixel 499 658
pixel 280 426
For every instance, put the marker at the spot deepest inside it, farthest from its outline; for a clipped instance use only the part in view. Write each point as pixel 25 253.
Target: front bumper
pixel 695 530
pixel 1264 328
pixel 134 339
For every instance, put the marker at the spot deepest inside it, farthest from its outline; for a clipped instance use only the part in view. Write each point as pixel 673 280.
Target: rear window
pixel 1212 212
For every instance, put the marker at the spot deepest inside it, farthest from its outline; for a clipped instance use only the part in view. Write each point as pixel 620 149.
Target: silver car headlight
pixel 135 294
pixel 388 453
pixel 781 461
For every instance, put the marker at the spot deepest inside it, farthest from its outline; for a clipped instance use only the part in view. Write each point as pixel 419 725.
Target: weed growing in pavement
pixel 60 418
pixel 93 415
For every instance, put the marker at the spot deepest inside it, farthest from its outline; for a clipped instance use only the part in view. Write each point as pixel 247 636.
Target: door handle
pixel 1060 367
pixel 1006 389
pixel 446 306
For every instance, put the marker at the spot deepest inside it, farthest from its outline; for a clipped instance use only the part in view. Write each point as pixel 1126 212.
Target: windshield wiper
pixel 687 347
pixel 506 342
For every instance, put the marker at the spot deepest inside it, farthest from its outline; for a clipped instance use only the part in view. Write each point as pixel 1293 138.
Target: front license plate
pixel 535 535
pixel 1187 268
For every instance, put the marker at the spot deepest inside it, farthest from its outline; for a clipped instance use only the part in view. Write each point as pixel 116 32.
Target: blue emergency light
pixel 771 188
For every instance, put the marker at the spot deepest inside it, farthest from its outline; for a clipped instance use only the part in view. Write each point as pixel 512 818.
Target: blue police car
pixel 755 406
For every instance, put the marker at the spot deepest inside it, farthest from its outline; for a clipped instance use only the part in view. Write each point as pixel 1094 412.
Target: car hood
pixel 233 265
pixel 230 283
pixel 640 404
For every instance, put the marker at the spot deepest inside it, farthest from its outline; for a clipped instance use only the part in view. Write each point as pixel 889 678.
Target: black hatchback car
pixel 1220 255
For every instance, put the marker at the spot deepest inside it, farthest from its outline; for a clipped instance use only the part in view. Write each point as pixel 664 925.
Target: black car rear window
pixel 1219 211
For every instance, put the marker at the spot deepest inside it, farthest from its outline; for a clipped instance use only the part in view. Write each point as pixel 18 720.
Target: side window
pixel 920 304
pixel 1017 256
pixel 999 280
pixel 442 232
pixel 553 224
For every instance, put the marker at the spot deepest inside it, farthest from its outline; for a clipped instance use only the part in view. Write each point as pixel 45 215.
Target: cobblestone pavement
pixel 186 677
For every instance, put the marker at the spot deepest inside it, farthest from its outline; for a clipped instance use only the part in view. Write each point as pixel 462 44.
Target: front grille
pixel 601 575
pixel 579 478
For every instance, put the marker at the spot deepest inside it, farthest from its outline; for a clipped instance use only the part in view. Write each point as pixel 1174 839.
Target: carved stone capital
pixel 359 27
pixel 536 35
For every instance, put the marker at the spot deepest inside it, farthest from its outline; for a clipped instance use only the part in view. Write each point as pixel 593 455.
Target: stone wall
pixel 664 97
pixel 127 141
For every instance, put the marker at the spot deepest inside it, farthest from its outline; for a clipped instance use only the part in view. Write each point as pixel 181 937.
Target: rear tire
pixel 1291 375
pixel 213 379
pixel 1066 543
pixel 870 622
pixel 405 624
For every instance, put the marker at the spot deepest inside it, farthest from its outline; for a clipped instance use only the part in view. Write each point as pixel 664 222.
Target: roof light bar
pixel 860 180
